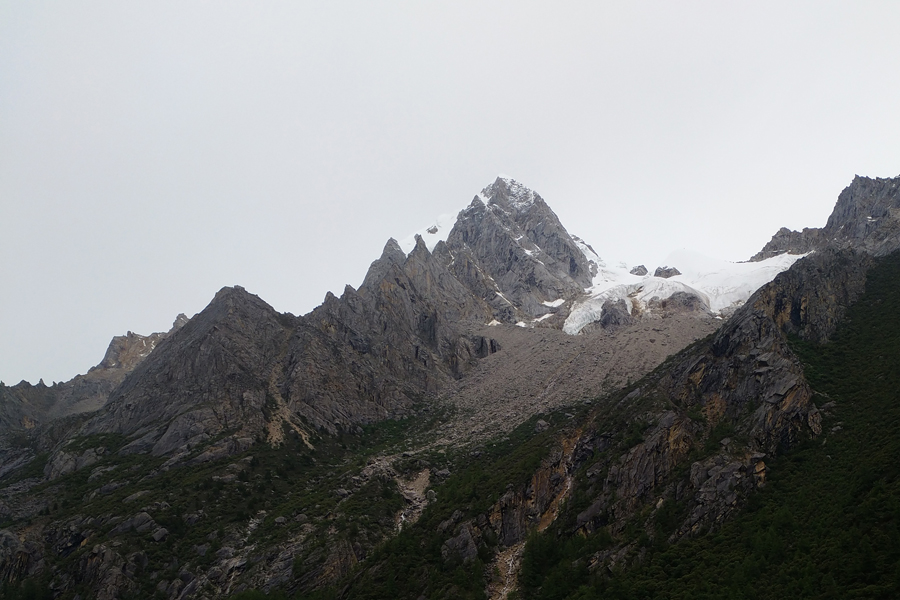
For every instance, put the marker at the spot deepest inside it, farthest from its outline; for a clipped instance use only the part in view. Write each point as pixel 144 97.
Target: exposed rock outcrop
pixel 615 314
pixel 510 249
pixel 639 270
pixel 24 406
pixel 365 356
pixel 678 303
pixel 744 379
pixel 865 218
pixel 666 272
pixel 211 375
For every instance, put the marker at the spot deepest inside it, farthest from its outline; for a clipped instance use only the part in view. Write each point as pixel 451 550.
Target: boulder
pixel 666 272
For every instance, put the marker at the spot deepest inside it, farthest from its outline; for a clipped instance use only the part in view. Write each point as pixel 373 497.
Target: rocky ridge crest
pixel 239 373
pixel 26 406
pixel 866 218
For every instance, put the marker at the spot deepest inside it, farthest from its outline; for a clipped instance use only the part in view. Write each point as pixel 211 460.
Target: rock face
pixel 412 327
pixel 64 462
pixel 813 296
pixel 615 314
pixel 678 303
pixel 747 368
pixel 666 272
pixel 363 357
pixel 510 250
pixel 25 405
pixel 515 513
pixel 866 218
pixel 639 270
pixel 792 242
pixel 210 375
pixel 745 379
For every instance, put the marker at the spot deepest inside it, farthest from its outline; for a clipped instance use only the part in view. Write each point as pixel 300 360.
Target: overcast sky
pixel 153 152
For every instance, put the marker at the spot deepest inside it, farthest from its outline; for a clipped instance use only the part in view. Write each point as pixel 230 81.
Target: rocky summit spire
pixel 510 194
pixel 391 255
pixel 525 256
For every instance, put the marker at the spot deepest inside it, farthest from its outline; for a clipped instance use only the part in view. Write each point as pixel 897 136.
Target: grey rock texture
pixel 18 558
pixel 104 570
pixel 745 376
pixel 615 315
pixel 747 368
pixel 865 218
pixel 23 406
pixel 212 374
pixel 792 242
pixel 552 369
pixel 666 272
pixel 368 355
pixel 677 303
pixel 64 462
pixel 363 357
pixel 811 298
pixel 639 270
pixel 509 248
pixel 462 547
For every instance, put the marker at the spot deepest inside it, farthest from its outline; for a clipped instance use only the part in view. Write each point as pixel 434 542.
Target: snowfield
pixel 720 284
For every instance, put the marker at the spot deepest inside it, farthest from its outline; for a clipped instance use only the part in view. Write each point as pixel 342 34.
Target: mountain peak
pixel 229 292
pixel 866 216
pixel 393 252
pixel 508 192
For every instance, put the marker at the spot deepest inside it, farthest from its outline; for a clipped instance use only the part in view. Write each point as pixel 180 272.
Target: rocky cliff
pixel 253 448
pixel 241 366
pixel 510 250
pixel 25 405
pixel 866 218
pixel 412 327
pixel 710 417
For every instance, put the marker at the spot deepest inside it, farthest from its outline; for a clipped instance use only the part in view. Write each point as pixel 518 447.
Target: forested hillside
pixel 827 523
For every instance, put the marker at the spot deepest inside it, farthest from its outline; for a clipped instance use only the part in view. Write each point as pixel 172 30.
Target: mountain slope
pixel 825 525
pixel 241 367
pixel 670 458
pixel 866 218
pixel 211 375
pixel 407 439
pixel 24 405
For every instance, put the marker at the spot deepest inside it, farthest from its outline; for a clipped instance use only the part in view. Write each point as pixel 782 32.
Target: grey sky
pixel 152 152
